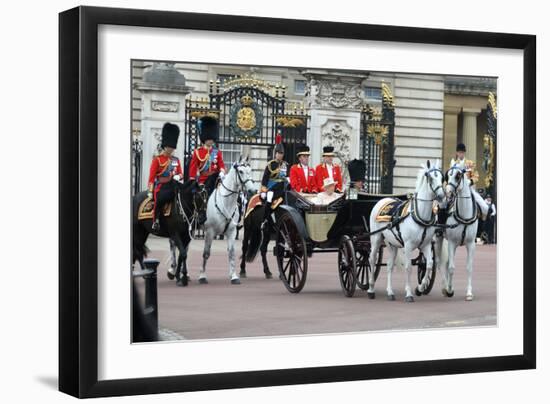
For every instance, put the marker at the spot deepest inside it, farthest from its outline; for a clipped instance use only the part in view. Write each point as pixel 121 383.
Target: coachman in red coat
pixel 327 169
pixel 302 177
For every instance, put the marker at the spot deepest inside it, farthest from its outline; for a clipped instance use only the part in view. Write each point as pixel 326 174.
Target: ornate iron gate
pixel 250 112
pixel 489 146
pixel 377 145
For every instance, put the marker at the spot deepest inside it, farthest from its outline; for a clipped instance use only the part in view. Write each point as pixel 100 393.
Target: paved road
pixel 260 307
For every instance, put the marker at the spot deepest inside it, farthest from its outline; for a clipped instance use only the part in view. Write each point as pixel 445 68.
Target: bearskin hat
pixel 208 128
pixel 461 147
pixel 357 170
pixel 169 135
pixel 328 151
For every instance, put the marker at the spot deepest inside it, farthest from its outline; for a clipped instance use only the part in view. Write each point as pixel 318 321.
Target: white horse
pixel 222 215
pixel 462 222
pixel 414 230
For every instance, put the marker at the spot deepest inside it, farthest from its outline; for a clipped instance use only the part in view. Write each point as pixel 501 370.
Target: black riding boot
pixel 156 221
pixel 267 214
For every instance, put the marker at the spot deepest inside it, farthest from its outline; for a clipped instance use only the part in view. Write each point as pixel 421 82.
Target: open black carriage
pixel 304 228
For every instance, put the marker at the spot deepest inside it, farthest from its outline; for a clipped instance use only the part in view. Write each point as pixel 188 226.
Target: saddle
pixel 391 209
pixel 256 201
pixel 145 209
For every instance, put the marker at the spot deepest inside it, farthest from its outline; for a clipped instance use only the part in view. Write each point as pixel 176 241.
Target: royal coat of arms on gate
pixel 246 118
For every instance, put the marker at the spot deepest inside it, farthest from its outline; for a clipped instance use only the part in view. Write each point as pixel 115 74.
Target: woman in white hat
pixel 328 195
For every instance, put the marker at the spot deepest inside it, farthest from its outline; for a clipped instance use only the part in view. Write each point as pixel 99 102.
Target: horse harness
pixel 456 213
pixel 394 227
pixel 228 219
pixel 413 212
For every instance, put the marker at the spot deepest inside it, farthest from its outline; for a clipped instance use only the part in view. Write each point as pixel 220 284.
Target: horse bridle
pixel 430 183
pixel 455 186
pixel 231 192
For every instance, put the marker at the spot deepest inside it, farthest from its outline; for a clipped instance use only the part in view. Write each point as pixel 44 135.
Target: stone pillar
pixel 163 92
pixel 335 103
pixel 450 134
pixel 469 132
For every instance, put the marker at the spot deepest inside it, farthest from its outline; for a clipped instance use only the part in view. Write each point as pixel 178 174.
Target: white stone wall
pixel 418 125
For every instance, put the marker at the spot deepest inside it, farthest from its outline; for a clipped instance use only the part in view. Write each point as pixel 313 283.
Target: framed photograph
pixel 250 201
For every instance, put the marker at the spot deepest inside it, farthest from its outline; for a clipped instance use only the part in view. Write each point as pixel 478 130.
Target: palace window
pixel 222 77
pixel 373 93
pixel 299 87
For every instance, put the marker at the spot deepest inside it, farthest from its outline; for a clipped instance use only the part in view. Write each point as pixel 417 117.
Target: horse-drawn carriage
pixel 304 228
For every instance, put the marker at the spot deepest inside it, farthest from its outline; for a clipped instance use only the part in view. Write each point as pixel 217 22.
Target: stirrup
pixel 156 225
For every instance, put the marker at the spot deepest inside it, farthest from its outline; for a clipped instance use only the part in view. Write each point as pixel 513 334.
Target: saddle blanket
pixel 256 200
pixel 392 208
pixel 145 210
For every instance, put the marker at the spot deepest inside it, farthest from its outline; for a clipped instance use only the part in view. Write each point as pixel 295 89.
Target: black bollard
pixel 151 298
pixel 146 318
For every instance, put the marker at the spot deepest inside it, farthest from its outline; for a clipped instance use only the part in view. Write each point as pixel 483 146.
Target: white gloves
pixel 222 174
pixel 150 195
pixel 177 177
pixel 262 195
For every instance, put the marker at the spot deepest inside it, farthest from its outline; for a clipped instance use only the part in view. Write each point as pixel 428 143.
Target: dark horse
pixel 256 238
pixel 175 226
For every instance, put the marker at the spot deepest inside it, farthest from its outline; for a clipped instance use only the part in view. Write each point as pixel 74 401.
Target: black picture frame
pixel 78 206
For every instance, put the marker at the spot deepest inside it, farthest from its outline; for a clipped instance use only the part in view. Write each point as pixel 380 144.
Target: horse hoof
pixel 409 299
pixel 170 275
pixel 203 281
pixel 242 274
pixel 371 295
pixel 391 298
pixel 235 281
pixel 469 298
pixel 417 292
pixel 268 275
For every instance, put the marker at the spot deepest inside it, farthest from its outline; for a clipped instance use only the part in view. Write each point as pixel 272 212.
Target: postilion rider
pixel 207 161
pixel 275 177
pixel 327 169
pixel 165 168
pixel 302 177
pixel 471 172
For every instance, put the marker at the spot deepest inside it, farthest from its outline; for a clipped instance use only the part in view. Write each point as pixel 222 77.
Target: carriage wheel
pixel 347 266
pixel 291 252
pixel 363 268
pixel 422 267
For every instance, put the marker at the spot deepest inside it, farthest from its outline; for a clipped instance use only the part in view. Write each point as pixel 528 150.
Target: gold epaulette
pixel 275 170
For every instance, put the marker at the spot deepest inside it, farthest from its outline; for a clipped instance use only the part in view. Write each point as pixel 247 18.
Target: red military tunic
pixel 163 168
pixel 321 172
pixel 298 180
pixel 205 162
